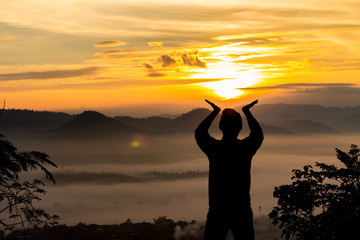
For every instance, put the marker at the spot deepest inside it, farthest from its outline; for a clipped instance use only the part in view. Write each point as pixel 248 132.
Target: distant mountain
pixel 185 123
pixel 274 130
pixel 91 124
pixel 349 124
pixel 188 122
pixel 149 124
pixel 270 113
pixel 307 127
pixel 306 119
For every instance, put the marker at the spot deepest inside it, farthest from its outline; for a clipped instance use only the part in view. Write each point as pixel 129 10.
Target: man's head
pixel 230 122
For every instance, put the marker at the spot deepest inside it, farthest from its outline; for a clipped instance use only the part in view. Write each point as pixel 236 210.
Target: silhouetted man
pixel 229 175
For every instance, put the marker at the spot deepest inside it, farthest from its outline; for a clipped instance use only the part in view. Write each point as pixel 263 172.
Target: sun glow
pixel 225 88
pixel 235 77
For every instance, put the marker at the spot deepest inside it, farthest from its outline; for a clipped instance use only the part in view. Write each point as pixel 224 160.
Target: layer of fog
pixel 180 198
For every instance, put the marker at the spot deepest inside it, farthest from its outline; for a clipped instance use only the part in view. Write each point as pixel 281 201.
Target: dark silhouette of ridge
pixel 92 124
pixel 29 121
pixel 277 119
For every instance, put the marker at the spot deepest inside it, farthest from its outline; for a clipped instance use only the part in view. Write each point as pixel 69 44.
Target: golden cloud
pixel 155 44
pixel 7 38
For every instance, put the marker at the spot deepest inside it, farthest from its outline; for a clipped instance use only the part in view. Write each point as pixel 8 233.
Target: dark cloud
pixel 49 74
pixel 192 59
pixel 148 66
pixel 112 43
pixel 105 178
pixel 187 59
pixel 156 74
pixel 167 61
pixel 346 91
pixel 152 71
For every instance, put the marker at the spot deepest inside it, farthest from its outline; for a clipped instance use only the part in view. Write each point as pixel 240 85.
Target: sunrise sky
pixel 170 55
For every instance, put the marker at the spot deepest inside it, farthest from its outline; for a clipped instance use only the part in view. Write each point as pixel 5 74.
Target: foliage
pixel 161 228
pixel 17 197
pixel 322 202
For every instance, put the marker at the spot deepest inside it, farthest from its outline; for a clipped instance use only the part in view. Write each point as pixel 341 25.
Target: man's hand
pixel 247 107
pixel 215 108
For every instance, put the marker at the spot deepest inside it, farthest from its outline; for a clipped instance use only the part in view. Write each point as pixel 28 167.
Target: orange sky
pixel 167 56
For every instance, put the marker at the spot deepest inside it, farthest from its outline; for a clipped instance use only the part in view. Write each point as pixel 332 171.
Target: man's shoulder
pixel 213 140
pixel 205 139
pixel 252 143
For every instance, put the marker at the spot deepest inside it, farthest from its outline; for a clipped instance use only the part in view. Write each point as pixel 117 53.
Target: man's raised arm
pixel 202 129
pixel 255 128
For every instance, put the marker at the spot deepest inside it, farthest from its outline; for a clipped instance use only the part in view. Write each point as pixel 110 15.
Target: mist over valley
pixel 114 168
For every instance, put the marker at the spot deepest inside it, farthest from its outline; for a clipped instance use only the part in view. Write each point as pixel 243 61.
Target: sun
pixel 226 88
pixel 234 79
pixel 228 93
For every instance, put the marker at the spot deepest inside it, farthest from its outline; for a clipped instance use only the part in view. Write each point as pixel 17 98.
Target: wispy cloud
pixel 137 19
pixel 115 52
pixel 50 74
pixel 345 90
pixel 300 85
pixel 112 43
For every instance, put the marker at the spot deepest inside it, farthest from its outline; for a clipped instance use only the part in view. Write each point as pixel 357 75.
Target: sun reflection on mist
pixel 135 144
pixel 139 141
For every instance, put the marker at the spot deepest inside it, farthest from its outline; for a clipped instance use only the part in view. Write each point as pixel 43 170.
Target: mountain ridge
pixel 92 124
pixel 274 118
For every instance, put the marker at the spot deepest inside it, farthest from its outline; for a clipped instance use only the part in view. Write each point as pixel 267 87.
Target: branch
pixel 7 207
pixel 2 109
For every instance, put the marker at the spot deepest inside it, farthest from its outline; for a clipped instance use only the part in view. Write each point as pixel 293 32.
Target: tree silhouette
pixel 322 202
pixel 17 197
